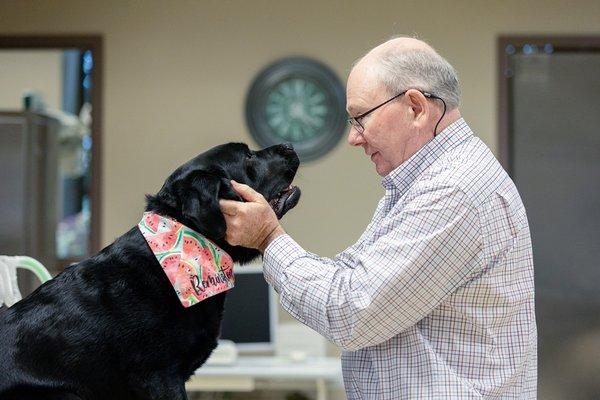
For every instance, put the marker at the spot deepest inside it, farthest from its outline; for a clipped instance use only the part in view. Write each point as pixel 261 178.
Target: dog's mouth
pixel 285 200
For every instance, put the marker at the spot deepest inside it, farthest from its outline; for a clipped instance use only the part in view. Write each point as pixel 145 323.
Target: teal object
pixel 296 110
pixel 299 101
pixel 34 266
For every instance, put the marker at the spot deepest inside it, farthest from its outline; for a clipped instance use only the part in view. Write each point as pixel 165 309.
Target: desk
pixel 250 373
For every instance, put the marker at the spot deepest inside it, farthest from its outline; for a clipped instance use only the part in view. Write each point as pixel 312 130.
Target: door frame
pixel 572 43
pixel 83 42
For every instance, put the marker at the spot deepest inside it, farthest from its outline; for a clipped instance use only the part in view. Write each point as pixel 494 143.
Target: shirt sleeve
pixel 433 246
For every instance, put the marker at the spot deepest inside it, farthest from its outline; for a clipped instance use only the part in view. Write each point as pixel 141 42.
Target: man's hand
pixel 252 224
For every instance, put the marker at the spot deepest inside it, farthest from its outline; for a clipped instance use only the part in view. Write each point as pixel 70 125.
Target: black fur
pixel 112 327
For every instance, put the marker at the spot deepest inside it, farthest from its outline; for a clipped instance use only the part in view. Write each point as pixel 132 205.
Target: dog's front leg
pixel 176 393
pixel 160 388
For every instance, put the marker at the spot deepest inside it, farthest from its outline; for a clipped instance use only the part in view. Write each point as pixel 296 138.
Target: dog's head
pixel 191 194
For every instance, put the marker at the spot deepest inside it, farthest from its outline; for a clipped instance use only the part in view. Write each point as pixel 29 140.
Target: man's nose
pixel 355 138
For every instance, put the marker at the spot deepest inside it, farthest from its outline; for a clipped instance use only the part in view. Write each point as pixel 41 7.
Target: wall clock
pixel 300 101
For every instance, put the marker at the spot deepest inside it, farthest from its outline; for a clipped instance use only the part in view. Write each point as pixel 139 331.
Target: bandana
pixel 196 267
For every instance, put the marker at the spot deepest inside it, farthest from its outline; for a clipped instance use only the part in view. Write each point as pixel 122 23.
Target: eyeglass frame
pixel 356 124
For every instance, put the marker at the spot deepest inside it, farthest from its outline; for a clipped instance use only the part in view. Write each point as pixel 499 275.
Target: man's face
pixel 389 137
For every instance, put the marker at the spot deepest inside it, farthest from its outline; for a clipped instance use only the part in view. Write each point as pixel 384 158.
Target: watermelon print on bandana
pixel 196 267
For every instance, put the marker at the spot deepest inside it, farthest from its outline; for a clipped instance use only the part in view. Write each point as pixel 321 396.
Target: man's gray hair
pixel 419 69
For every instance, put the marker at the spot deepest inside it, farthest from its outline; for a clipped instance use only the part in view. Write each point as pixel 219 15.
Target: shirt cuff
pixel 279 255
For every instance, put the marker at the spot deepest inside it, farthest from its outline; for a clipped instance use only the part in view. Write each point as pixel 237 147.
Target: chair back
pixel 9 288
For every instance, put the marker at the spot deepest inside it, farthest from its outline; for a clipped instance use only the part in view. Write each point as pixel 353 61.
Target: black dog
pixel 112 327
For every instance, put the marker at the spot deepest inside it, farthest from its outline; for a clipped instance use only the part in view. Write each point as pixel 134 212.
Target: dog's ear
pixel 226 191
pixel 198 192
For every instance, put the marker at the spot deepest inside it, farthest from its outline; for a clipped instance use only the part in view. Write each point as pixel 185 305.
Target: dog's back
pixel 18 380
pixel 6 379
pixel 93 330
pixel 12 378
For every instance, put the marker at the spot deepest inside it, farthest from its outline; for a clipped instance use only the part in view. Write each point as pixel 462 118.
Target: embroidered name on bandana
pixel 196 267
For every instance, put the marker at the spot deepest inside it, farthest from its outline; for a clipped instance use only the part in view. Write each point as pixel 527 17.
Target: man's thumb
pixel 246 192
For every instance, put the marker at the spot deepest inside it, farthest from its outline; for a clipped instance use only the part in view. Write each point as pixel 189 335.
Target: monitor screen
pixel 249 318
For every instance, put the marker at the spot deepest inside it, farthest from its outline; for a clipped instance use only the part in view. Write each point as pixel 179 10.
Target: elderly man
pixel 436 298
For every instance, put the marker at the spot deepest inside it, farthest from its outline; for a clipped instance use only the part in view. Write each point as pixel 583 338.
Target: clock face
pixel 296 110
pixel 298 101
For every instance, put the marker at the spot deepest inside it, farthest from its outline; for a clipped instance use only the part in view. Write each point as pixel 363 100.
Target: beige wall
pixel 22 70
pixel 176 74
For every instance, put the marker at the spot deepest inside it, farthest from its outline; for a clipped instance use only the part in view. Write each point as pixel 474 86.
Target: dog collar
pixel 196 267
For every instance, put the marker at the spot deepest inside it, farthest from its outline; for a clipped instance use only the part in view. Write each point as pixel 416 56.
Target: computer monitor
pixel 250 315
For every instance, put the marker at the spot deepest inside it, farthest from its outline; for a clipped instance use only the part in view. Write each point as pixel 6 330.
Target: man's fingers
pixel 229 207
pixel 247 192
pixel 229 239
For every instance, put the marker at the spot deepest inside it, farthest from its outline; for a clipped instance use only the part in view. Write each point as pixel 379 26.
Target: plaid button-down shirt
pixel 436 298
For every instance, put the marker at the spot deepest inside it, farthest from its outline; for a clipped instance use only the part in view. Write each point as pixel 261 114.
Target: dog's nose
pixel 286 148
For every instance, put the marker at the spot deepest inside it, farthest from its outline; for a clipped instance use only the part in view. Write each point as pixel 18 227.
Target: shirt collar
pixel 402 177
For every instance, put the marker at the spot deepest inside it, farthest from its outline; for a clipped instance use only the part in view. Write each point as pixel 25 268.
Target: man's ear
pixel 198 192
pixel 418 104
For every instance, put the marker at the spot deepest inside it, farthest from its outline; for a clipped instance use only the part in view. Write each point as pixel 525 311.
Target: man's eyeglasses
pixel 355 121
pixel 357 124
